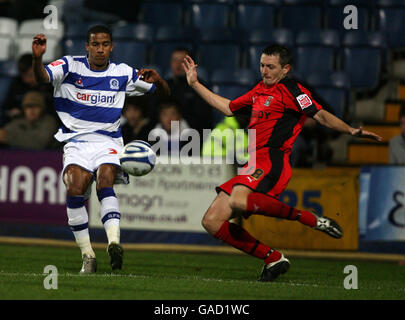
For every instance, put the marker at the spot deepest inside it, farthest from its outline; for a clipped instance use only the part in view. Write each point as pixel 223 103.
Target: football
pixel 137 158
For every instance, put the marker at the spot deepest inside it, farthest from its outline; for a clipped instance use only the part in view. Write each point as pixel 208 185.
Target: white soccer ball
pixel 137 158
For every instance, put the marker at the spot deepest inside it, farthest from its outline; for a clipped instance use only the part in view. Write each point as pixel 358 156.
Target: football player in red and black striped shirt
pixel 278 106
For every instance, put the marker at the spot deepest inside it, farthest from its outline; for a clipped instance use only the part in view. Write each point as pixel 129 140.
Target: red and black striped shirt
pixel 278 113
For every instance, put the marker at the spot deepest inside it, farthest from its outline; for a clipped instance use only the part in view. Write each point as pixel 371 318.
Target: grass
pixel 188 276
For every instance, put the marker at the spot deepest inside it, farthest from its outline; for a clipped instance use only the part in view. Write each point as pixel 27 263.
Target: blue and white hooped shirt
pixel 89 101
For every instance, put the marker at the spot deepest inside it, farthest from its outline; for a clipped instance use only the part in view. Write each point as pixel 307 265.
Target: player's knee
pixel 237 203
pixel 104 182
pixel 210 222
pixel 74 190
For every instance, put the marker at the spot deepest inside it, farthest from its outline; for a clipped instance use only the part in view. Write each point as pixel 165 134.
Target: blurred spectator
pixel 194 109
pixel 24 82
pixel 169 128
pixel 397 143
pixel 137 126
pixel 216 143
pixel 33 132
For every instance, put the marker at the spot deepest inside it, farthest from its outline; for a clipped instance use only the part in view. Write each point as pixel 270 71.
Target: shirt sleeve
pixel 138 87
pixel 301 97
pixel 307 103
pixel 57 70
pixel 243 101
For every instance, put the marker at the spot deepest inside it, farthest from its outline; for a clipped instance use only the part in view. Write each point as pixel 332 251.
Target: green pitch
pixel 189 276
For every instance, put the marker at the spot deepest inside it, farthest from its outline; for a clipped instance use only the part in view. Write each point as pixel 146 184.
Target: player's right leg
pixel 216 222
pixel 77 180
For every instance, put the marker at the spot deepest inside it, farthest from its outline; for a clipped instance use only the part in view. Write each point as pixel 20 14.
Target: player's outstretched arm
pixel 151 76
pixel 216 101
pixel 38 50
pixel 329 120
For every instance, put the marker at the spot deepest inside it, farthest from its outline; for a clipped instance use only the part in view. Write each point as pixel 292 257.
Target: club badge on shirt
pixel 268 101
pixel 304 101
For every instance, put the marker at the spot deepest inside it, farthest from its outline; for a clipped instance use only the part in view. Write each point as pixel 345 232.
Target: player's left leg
pixel 216 222
pixel 110 213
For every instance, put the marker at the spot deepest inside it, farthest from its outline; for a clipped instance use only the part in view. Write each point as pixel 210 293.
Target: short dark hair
pixel 99 29
pixel 285 55
pixel 24 63
pixel 182 49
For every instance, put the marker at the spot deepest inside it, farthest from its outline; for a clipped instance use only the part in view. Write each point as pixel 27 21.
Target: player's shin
pixel 110 214
pixel 79 223
pixel 259 203
pixel 239 238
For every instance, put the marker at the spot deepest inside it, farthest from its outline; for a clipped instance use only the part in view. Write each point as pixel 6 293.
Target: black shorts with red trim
pixel 268 173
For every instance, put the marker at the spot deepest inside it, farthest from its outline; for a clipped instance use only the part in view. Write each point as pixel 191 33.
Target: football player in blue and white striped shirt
pixel 89 93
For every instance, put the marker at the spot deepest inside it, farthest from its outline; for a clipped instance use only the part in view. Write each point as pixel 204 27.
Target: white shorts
pixel 90 155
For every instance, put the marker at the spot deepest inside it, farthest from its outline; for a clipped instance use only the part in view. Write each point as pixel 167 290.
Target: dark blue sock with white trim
pixel 78 221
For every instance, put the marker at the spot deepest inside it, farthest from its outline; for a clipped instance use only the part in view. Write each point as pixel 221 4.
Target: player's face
pixel 99 48
pixel 271 70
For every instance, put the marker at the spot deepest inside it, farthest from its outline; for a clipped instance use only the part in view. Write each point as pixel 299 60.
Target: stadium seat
pixel 53 48
pixel 392 22
pixel 132 53
pixel 300 17
pixel 358 38
pixel 9 68
pixel 161 13
pixel 363 66
pixel 340 79
pixel 233 77
pixel 207 15
pixel 335 17
pixel 6 48
pixel 317 37
pixel 176 33
pixel 310 59
pixel 220 35
pixel 8 27
pixel 74 46
pixel 79 29
pixel 231 91
pixel 337 79
pixel 134 32
pixel 162 51
pixel 34 26
pixel 254 15
pixel 335 98
pixel 389 3
pixel 266 36
pixel 254 53
pixel 213 56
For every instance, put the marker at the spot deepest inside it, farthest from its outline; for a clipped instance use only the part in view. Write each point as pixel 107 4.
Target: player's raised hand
pixel 39 45
pixel 365 134
pixel 149 75
pixel 191 70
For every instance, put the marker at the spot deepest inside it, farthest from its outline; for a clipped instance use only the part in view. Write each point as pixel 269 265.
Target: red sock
pixel 239 238
pixel 259 203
